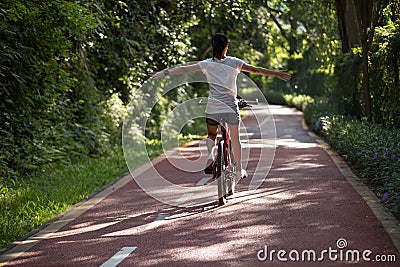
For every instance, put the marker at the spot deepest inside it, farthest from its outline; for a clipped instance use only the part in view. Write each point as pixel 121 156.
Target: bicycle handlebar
pixel 242 103
pixel 252 102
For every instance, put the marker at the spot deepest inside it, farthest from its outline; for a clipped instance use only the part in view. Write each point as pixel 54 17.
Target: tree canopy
pixel 68 68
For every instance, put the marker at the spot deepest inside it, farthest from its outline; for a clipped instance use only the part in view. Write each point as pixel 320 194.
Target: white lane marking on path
pixel 118 257
pixel 157 222
pixel 203 181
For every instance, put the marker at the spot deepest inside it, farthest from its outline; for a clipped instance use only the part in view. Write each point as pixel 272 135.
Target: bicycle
pixel 224 165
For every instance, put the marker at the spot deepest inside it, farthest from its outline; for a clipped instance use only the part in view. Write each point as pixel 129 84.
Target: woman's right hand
pixel 156 74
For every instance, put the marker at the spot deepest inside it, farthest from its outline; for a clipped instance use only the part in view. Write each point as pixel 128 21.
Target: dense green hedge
pixel 298 101
pixel 372 150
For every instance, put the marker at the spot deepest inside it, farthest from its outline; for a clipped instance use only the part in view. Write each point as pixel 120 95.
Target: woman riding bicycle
pixel 222 103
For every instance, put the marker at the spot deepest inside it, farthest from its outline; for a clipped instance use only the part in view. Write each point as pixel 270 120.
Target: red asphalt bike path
pixel 305 204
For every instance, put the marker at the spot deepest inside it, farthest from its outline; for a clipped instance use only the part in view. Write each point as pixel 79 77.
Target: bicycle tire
pixel 220 160
pixel 220 170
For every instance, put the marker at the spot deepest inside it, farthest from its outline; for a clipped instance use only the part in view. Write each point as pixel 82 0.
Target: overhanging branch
pixel 281 29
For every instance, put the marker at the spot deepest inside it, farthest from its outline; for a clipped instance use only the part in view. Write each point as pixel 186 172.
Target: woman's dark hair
pixel 219 42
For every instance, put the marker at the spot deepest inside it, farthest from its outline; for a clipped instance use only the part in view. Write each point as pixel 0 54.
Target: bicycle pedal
pixel 221 201
pixel 209 169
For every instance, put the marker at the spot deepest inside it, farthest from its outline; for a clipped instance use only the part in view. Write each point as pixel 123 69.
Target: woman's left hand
pixel 284 75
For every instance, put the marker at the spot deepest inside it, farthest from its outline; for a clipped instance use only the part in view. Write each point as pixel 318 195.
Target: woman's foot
pixel 241 174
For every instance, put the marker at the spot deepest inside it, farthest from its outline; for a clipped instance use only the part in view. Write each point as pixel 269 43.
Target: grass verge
pixel 29 202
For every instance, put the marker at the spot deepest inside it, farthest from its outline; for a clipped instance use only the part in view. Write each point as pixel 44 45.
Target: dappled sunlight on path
pixel 305 203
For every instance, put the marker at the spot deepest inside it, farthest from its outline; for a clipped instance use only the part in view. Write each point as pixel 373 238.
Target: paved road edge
pixel 391 225
pixel 35 236
pixel 389 222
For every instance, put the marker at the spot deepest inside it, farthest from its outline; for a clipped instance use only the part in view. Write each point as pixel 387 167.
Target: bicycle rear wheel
pixel 231 179
pixel 221 174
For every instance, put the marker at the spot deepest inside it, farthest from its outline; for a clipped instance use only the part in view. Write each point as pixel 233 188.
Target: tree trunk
pixel 368 13
pixel 365 80
pixel 342 25
pixel 357 21
pixel 349 30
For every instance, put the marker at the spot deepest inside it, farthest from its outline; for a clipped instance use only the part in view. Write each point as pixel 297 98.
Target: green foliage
pixel 64 65
pixel 44 84
pixel 274 97
pixel 298 101
pixel 303 35
pixel 372 150
pixel 348 91
pixel 314 112
pixel 385 74
pixel 314 109
pixel 68 70
pixel 193 129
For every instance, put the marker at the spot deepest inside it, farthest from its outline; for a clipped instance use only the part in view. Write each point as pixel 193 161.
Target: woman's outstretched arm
pixel 175 71
pixel 281 74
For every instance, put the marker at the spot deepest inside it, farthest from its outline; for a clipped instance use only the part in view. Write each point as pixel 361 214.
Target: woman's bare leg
pixel 210 142
pixel 237 151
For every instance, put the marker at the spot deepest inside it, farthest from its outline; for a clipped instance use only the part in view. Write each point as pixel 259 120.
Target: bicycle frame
pixel 224 165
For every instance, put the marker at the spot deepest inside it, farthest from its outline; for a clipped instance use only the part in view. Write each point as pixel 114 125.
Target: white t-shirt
pixel 221 76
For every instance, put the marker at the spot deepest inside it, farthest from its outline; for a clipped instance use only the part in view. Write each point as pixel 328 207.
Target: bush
pixel 297 101
pixel 314 111
pixel 48 110
pixel 373 151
